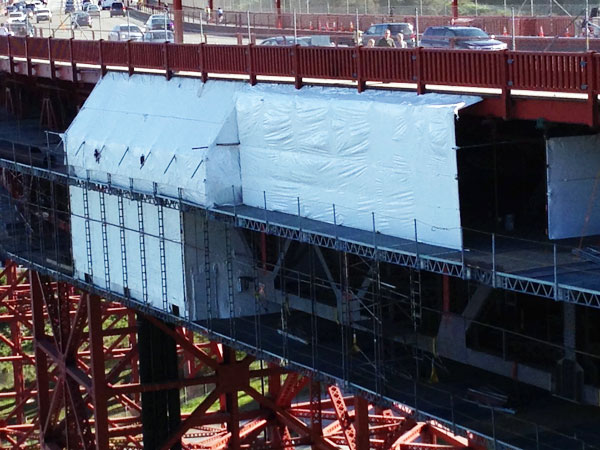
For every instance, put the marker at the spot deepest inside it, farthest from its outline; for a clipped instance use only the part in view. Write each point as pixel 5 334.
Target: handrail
pixel 341 22
pixel 502 71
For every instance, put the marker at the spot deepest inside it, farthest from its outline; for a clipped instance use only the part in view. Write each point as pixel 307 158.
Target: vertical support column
pixel 135 372
pixel 158 363
pixel 361 422
pixel 445 294
pixel 98 375
pixel 278 8
pixel 178 21
pixel 41 361
pixel 592 89
pixel 569 319
pixel 17 351
pixel 232 407
pixel 316 416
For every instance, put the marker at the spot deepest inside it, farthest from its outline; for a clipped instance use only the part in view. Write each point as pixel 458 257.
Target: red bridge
pixel 557 87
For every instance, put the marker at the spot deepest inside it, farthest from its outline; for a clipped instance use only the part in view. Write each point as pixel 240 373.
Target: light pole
pixel 166 18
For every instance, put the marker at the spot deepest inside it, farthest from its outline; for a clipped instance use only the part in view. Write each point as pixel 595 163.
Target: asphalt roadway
pixel 59 26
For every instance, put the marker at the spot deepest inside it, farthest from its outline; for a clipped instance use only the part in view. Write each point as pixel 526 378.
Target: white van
pixel 106 4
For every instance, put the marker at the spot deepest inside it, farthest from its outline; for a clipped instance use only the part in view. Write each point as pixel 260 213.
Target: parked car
pixel 377 31
pixel 117 9
pixel 125 32
pixel 81 19
pixel 16 17
pixel 29 9
pixel 21 29
pixel 92 9
pixel 69 6
pixel 159 36
pixel 470 38
pixel 43 14
pixel 286 40
pixel 157 22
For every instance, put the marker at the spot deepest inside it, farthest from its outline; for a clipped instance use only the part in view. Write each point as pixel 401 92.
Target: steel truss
pixel 85 354
pixel 454 266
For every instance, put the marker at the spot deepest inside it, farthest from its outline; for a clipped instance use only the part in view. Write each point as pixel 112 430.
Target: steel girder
pixel 453 267
pixel 85 357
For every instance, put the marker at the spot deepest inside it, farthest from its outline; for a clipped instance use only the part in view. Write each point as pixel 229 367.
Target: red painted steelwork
pixel 420 69
pixel 86 367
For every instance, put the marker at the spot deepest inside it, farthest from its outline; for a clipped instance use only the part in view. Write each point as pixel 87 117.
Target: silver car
pixel 43 14
pixel 159 36
pixel 125 32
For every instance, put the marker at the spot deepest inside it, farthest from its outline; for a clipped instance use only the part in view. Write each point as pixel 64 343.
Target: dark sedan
pixel 81 19
pixel 469 38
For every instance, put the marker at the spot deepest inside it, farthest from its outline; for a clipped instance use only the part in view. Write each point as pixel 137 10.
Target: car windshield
pixel 132 28
pixel 117 6
pixel 470 32
pixel 161 35
pixel 43 11
pixel 15 14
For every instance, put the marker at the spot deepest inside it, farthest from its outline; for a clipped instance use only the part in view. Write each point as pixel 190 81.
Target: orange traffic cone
pixel 351 26
pixel 567 34
pixel 505 32
pixel 310 26
pixel 541 34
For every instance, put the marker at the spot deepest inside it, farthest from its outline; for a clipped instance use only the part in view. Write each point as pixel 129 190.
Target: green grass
pixel 245 402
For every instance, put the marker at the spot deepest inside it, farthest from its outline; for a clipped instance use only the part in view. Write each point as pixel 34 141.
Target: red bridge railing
pixel 503 71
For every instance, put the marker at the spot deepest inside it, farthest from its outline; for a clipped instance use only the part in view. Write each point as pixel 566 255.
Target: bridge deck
pixel 566 85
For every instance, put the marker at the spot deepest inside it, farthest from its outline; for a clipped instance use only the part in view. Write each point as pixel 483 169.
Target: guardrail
pixel 504 70
pixel 524 25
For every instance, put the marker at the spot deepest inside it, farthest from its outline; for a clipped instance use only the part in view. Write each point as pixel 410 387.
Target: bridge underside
pixel 382 320
pixel 89 393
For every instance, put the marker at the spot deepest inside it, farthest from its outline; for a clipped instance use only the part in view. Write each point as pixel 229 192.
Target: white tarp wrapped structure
pixel 182 128
pixel 186 132
pixel 126 254
pixel 387 155
pixel 573 193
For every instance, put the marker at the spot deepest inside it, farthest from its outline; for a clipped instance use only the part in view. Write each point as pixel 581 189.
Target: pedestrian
pixel 3 30
pixel 220 14
pixel 357 37
pixel 401 41
pixel 386 40
pixel 371 43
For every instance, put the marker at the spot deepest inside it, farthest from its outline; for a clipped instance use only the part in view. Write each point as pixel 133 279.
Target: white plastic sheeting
pixel 182 128
pixel 573 192
pixel 387 157
pixel 383 157
pixel 134 264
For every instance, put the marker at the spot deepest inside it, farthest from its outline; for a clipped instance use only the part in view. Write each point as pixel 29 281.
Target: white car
pixel 43 14
pixel 17 17
pixel 159 36
pixel 92 9
pixel 158 22
pixel 125 32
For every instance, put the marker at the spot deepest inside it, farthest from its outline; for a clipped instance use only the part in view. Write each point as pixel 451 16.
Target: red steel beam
pixel 98 375
pixel 287 423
